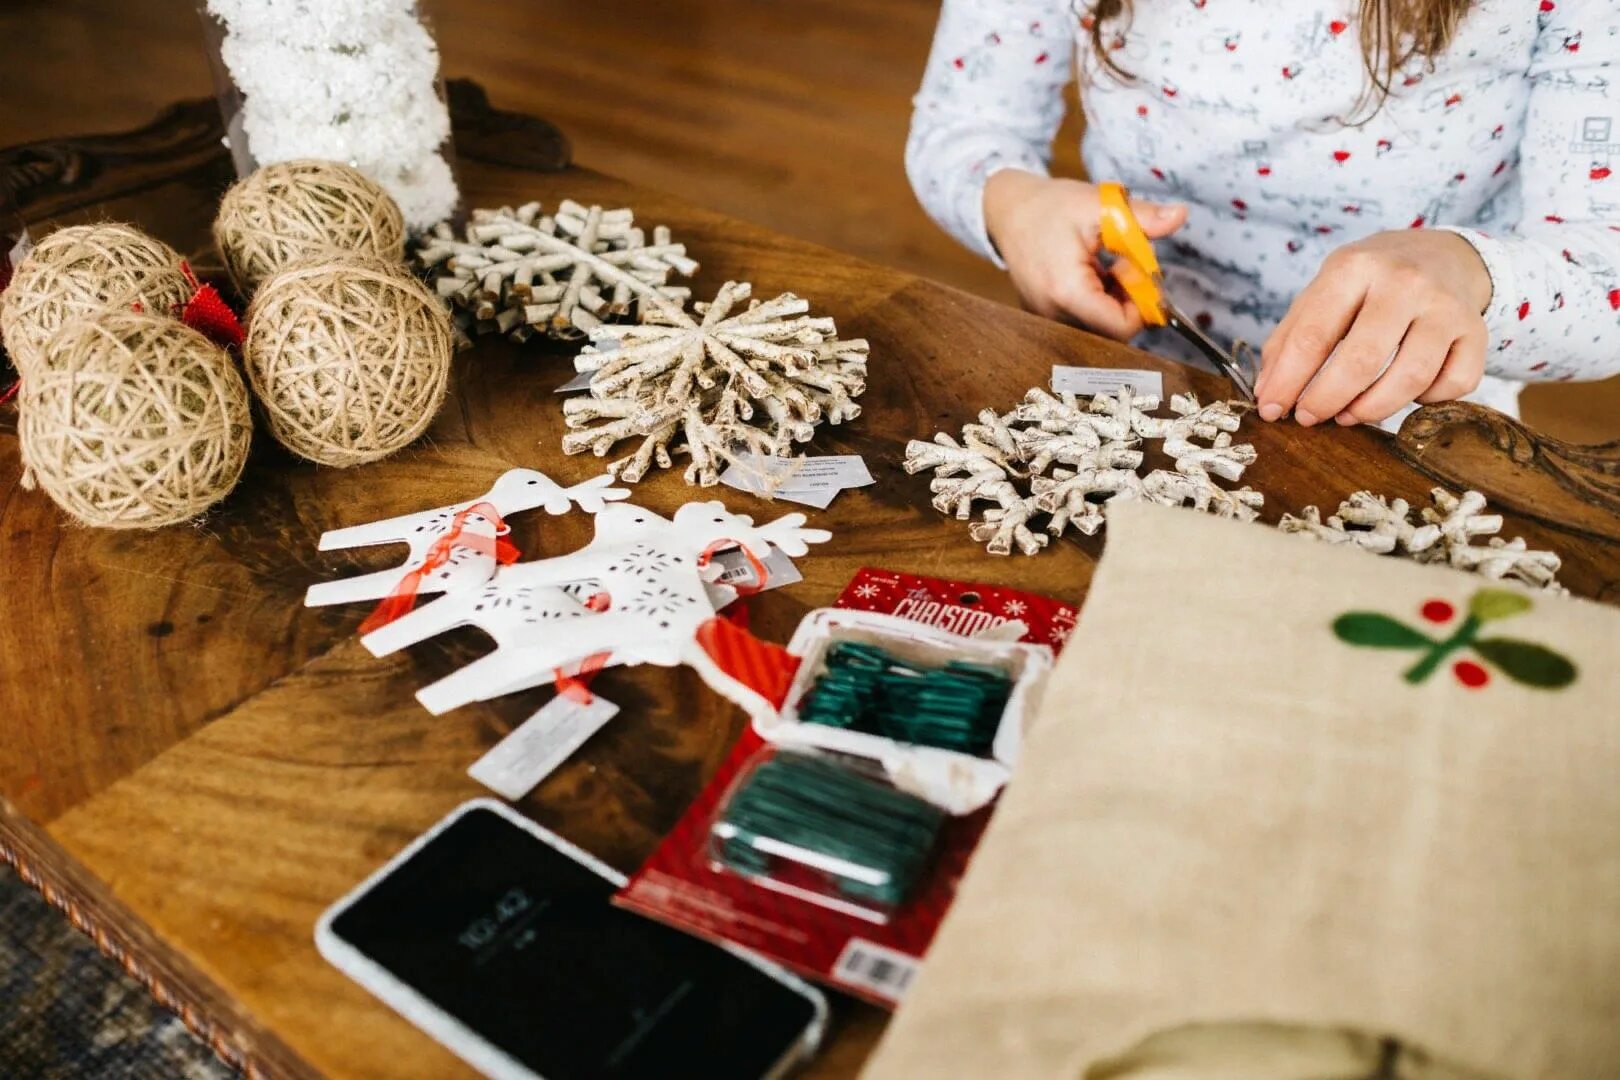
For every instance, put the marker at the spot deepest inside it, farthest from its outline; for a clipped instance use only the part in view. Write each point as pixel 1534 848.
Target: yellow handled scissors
pixel 1136 268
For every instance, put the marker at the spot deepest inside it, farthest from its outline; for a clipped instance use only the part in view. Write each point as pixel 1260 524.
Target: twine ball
pixel 303 211
pixel 138 421
pixel 80 271
pixel 350 359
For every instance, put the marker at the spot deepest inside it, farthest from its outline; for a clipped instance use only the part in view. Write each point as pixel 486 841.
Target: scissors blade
pixel 1216 355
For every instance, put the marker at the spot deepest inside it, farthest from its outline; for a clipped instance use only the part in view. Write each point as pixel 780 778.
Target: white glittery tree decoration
pixel 735 383
pixel 1444 533
pixel 520 271
pixel 343 80
pixel 1071 454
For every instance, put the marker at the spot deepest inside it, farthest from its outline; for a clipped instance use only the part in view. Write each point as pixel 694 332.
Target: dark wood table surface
pixel 194 765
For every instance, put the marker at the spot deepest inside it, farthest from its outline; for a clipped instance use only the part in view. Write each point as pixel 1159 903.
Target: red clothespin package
pixel 875 959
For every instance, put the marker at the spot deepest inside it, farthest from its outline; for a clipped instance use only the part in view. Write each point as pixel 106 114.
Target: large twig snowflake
pixel 732 385
pixel 518 271
pixel 1072 454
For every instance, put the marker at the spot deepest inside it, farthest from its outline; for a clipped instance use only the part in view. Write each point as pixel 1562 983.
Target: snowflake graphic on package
pixel 520 271
pixel 1062 456
pixel 867 591
pixel 1014 608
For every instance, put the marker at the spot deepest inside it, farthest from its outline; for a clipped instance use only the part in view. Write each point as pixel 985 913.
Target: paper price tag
pixel 737 567
pixel 534 749
pixel 811 481
pixel 582 381
pixel 1088 380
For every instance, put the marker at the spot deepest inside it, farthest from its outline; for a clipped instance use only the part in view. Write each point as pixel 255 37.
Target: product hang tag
pixel 582 381
pixel 536 747
pixel 810 481
pixel 1089 380
pixel 737 568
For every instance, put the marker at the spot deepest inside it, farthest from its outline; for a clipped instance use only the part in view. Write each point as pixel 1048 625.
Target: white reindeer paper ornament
pixel 514 491
pixel 659 602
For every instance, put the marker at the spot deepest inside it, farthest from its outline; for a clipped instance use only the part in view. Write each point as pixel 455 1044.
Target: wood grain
pixel 206 764
pixel 791 115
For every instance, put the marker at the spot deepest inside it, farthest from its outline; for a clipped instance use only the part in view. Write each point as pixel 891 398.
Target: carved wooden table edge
pixel 51 177
pixel 173 982
pixel 1558 484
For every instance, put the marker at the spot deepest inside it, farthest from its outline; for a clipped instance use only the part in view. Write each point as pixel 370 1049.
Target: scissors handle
pixel 1136 267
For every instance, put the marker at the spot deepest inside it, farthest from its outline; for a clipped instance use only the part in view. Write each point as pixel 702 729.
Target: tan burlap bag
pixel 1261 830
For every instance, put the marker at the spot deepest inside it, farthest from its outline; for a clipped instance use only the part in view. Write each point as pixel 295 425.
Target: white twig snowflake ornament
pixel 520 271
pixel 1062 457
pixel 733 383
pixel 1444 533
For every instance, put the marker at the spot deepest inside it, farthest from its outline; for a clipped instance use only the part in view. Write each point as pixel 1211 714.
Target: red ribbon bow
pixel 403 598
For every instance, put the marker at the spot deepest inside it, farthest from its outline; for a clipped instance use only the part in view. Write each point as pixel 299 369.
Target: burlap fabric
pixel 1251 798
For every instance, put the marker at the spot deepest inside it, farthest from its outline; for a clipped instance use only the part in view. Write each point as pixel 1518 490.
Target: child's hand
pixel 1048 233
pixel 1417 290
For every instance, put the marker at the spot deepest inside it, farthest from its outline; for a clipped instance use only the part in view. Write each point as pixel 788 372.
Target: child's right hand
pixel 1048 233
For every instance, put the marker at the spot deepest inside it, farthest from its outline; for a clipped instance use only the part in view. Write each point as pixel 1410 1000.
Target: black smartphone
pixel 499 939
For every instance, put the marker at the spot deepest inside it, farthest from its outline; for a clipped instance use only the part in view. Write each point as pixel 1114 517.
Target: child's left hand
pixel 1418 291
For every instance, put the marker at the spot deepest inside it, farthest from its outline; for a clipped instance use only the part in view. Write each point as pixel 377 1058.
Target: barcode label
pixel 873 967
pixel 735 567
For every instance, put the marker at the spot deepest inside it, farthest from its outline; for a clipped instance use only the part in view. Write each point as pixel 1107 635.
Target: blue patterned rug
pixel 66 1011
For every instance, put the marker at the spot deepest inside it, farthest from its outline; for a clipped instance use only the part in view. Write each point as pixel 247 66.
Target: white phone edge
pixel 466 1043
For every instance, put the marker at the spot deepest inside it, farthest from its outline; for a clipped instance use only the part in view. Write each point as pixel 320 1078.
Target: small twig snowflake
pixel 518 271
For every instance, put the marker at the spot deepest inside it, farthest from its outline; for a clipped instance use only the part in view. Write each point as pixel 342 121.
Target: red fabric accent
pixel 208 313
pixel 403 598
pixel 763 667
pixel 10 391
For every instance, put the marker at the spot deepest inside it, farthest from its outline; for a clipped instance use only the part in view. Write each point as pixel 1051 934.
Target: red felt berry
pixel 1614 299
pixel 1470 674
pixel 1438 611
pixel 1338 26
pixel 1341 156
pixel 1600 172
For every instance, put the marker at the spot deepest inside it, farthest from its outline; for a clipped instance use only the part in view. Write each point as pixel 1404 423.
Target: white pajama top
pixel 1236 108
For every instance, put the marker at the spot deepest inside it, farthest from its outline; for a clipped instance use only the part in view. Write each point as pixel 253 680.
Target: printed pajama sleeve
pixel 1555 306
pixel 991 99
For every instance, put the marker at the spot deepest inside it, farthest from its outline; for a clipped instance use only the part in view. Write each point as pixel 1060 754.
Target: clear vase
pixel 355 81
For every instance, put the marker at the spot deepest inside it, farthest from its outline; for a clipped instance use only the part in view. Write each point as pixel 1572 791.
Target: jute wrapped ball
pixel 139 421
pixel 303 211
pixel 349 359
pixel 82 271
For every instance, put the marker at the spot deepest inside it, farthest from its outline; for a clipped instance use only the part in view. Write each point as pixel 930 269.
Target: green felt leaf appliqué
pixel 1524 662
pixel 1371 629
pixel 1488 604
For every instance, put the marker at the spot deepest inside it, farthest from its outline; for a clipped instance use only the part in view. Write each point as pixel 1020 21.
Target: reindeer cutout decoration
pixel 655 594
pixel 465 565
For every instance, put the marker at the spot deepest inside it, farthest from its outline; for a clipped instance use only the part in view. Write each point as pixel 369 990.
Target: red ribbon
pixel 576 687
pixel 403 598
pixel 760 573
pixel 208 313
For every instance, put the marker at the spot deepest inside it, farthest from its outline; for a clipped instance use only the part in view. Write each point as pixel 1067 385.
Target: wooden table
pixel 194 765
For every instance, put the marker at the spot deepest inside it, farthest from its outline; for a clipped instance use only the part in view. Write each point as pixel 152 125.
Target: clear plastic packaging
pixel 355 81
pixel 828 830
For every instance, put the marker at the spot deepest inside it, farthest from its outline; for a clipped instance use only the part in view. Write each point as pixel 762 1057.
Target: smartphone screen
pixel 518 942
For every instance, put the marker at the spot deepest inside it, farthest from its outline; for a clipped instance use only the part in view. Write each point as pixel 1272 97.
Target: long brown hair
pixel 1393 33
